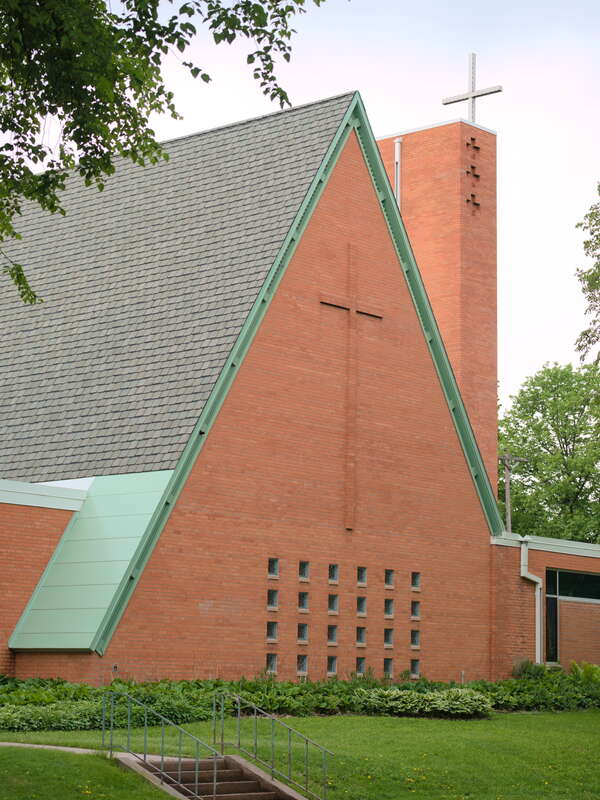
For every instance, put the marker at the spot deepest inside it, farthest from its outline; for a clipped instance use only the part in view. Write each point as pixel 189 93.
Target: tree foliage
pixel 79 81
pixel 554 423
pixel 590 281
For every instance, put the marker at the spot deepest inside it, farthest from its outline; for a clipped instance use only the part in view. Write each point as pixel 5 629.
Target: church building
pixel 252 427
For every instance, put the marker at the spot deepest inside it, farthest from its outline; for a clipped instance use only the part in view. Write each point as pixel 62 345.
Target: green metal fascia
pixel 355 119
pixel 428 323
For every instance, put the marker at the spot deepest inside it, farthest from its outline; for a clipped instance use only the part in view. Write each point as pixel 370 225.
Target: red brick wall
pixel 514 631
pixel 513 619
pixel 579 632
pixel 454 242
pixel 270 482
pixel 28 536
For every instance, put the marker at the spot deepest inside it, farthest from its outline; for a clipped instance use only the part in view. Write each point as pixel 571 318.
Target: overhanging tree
pixel 554 423
pixel 590 281
pixel 93 76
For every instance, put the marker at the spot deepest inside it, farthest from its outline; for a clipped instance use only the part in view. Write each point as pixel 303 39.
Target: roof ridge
pixel 240 123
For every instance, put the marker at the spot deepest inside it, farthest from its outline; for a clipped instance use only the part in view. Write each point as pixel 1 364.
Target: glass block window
pixel 361 574
pixel 361 635
pixel 360 665
pixel 303 600
pixel 389 577
pixel 331 665
pixel 388 667
pixel 271 664
pixel 388 636
pixel 388 607
pixel 415 609
pixel 334 572
pixel 301 664
pixel 415 638
pixel 332 634
pixel 415 580
pixel 302 632
pixel 273 567
pixel 361 605
pixel 333 602
pixel 272 598
pixel 415 668
pixel 304 569
pixel 271 630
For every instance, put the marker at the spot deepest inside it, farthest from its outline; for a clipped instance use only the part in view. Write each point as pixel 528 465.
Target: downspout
pixel 397 166
pixel 538 596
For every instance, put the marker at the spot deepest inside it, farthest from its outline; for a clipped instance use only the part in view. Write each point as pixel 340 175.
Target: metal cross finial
pixel 473 93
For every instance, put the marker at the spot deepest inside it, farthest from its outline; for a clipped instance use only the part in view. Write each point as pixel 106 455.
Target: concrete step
pixel 206 776
pixel 227 787
pixel 171 763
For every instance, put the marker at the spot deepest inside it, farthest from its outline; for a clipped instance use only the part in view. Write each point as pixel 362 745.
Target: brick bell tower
pixel 444 177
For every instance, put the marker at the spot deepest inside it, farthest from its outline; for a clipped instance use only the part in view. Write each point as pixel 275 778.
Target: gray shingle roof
pixel 146 286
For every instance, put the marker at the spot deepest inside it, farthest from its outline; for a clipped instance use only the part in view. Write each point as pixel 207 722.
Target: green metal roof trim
pixel 355 119
pixel 90 565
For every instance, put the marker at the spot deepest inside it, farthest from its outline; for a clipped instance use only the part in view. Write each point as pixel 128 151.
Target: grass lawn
pixel 51 775
pixel 551 756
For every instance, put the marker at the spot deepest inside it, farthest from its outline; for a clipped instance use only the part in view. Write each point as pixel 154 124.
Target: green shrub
pixel 37 704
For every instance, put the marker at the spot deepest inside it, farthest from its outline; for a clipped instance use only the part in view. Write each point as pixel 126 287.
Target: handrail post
pixel 112 721
pixel 239 708
pixel 324 775
pixel 255 732
pixel 179 763
pixel 272 747
pixel 306 764
pixel 197 766
pixel 145 734
pixel 214 720
pixel 222 724
pixel 103 717
pixel 214 775
pixel 162 749
pixel 129 723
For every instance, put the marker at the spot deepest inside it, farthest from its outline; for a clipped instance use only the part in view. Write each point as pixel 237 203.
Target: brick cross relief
pixel 355 308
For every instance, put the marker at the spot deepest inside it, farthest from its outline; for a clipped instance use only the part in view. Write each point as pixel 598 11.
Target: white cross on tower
pixel 473 93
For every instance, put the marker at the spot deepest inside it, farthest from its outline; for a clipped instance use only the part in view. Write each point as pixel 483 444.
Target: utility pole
pixel 509 461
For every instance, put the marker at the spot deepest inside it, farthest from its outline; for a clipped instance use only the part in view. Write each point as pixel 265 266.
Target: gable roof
pixel 146 288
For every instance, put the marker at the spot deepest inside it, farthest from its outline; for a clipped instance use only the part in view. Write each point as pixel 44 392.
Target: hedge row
pixel 38 704
pixel 87 714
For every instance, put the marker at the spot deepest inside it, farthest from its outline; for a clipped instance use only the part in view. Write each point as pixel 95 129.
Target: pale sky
pixel 404 57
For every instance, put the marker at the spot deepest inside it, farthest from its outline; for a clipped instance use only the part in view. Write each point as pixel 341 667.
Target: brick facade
pixel 448 204
pixel 28 536
pixel 320 419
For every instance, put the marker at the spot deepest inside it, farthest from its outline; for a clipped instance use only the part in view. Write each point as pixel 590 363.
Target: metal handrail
pixel 254 712
pixel 109 727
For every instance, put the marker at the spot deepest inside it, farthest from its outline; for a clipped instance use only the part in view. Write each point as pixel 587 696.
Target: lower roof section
pixel 20 493
pixel 91 561
pixel 567 546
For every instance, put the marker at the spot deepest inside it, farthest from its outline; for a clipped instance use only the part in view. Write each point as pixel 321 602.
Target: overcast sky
pixel 404 57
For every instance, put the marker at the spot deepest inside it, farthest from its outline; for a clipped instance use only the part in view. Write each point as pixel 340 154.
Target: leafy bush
pixel 37 704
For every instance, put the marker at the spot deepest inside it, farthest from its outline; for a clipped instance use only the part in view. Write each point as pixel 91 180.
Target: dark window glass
pixel 332 633
pixel 551 581
pixel 360 666
pixel 388 607
pixel 273 567
pixel 388 636
pixel 334 572
pixel 361 574
pixel 415 668
pixel 361 605
pixel 361 635
pixel 389 578
pixel 415 609
pixel 415 580
pixel 551 629
pixel 415 638
pixel 302 631
pixel 302 664
pixel 271 630
pixel 271 662
pixel 272 598
pixel 303 569
pixel 388 665
pixel 331 665
pixel 578 584
pixel 303 600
